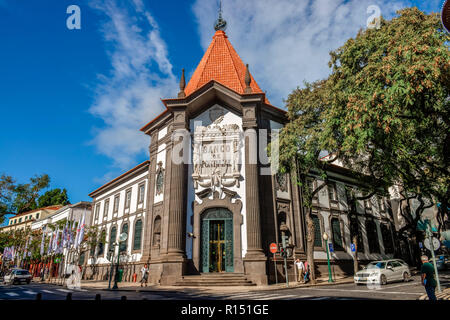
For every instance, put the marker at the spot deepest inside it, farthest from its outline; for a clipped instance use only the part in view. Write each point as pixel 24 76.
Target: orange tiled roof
pixel 222 64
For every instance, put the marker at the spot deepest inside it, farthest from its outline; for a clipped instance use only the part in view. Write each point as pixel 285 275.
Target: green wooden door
pixel 217 241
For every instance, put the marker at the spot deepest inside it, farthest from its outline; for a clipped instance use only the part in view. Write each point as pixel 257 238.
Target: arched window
pixel 137 235
pixel 101 243
pixel 372 236
pixel 317 231
pixel 157 231
pixel 355 230
pixel 112 240
pixel 123 244
pixel 387 239
pixel 337 235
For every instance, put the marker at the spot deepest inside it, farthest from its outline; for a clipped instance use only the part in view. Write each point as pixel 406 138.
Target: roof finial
pixel 181 94
pixel 220 24
pixel 247 80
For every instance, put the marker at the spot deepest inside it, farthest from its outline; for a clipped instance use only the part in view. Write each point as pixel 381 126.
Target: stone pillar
pixel 255 259
pixel 147 243
pixel 175 260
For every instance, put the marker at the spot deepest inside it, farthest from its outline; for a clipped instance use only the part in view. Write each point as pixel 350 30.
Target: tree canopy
pixel 53 197
pixel 383 111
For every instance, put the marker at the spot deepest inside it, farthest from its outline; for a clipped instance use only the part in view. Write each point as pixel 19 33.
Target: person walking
pixel 300 269
pixel 144 275
pixel 428 279
pixel 306 277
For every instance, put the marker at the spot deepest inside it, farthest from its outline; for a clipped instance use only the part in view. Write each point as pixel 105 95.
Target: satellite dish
pixel 123 236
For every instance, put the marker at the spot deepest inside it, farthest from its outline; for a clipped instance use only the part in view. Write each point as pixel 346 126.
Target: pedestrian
pixel 306 277
pixel 300 269
pixel 428 279
pixel 144 275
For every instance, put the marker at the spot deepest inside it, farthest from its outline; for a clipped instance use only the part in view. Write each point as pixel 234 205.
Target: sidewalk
pixel 135 286
pixel 444 295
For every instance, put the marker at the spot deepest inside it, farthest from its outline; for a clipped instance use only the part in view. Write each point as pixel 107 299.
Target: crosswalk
pixel 274 296
pixel 30 294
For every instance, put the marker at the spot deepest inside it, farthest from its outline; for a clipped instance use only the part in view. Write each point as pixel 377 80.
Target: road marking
pixel 11 294
pixel 29 292
pixel 47 291
pixel 251 296
pixel 279 297
pixel 400 285
pixel 63 290
pixel 366 291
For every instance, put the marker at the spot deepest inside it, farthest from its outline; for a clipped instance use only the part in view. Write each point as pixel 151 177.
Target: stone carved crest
pixel 216 155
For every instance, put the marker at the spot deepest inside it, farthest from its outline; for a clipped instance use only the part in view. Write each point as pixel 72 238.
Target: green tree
pixel 25 195
pixel 384 112
pixel 7 185
pixel 53 197
pixel 391 109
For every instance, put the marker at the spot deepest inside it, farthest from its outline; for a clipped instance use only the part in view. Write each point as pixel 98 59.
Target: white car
pixel 383 271
pixel 17 276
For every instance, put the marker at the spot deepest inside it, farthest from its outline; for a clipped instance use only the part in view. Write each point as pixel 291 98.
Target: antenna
pixel 220 24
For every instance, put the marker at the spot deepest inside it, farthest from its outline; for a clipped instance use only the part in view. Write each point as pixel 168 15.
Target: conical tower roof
pixel 222 64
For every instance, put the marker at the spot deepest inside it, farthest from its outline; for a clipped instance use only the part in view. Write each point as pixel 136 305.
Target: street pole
pixel 275 268
pixel 283 238
pixel 116 276
pixel 112 269
pixel 325 236
pixel 430 238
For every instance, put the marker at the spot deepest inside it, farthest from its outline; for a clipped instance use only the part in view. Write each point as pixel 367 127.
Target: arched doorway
pixel 217 240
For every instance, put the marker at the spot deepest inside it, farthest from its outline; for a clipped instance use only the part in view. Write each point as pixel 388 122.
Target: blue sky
pixel 72 101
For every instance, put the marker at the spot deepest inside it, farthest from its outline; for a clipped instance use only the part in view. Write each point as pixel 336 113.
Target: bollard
pixel 98 297
pixel 69 296
pixel 123 298
pixel 39 296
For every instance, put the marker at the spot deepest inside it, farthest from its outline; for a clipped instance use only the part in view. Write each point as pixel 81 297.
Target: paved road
pixel 395 291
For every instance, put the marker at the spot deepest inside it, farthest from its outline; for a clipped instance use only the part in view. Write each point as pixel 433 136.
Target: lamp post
pixel 325 237
pixel 123 237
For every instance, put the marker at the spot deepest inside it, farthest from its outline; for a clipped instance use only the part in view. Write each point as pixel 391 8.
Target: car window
pixel 376 265
pixel 390 264
pixel 22 272
pixel 396 264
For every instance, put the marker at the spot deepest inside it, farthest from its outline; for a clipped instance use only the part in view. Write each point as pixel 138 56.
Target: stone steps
pixel 215 280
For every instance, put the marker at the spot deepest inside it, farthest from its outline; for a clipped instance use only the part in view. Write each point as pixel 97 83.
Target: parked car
pixel 17 276
pixel 383 271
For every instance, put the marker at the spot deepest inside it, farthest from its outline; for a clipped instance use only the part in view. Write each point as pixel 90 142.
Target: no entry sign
pixel 273 247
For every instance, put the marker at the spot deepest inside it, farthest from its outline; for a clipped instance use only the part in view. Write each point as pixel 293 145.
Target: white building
pixel 120 206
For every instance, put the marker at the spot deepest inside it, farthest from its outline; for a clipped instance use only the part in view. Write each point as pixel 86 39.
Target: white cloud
pixel 141 73
pixel 288 41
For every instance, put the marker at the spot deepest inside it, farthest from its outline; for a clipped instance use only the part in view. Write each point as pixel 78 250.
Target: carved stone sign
pixel 216 155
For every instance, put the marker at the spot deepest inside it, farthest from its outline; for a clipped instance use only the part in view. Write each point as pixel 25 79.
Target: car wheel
pixel 383 279
pixel 28 281
pixel 405 276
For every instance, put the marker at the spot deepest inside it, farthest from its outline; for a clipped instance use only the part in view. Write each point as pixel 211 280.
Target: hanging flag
pixel 49 248
pixel 81 235
pixel 64 236
pixel 42 241
pixel 77 234
pixel 25 250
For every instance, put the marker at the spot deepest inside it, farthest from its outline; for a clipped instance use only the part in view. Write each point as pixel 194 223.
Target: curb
pixel 212 289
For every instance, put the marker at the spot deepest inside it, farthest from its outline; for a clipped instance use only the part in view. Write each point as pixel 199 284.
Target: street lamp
pixel 123 237
pixel 325 237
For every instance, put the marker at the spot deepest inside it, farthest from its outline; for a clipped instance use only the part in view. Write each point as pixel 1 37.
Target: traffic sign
pixel 352 246
pixel 436 243
pixel 330 245
pixel 273 247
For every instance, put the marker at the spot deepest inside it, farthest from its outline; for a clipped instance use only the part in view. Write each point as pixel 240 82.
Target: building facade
pixel 25 220
pixel 120 206
pixel 213 199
